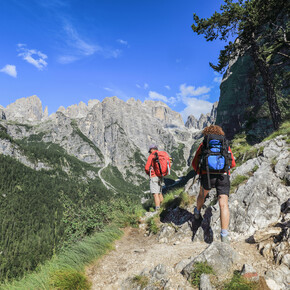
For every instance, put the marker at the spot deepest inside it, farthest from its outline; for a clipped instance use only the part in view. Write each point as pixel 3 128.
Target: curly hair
pixel 213 129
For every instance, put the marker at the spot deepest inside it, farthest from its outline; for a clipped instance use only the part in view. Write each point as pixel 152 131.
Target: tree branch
pixel 283 54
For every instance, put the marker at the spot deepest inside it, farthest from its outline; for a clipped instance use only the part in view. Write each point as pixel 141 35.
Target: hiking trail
pixel 135 252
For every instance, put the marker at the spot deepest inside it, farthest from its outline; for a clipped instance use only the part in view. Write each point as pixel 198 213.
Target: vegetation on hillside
pixel 261 29
pixel 44 211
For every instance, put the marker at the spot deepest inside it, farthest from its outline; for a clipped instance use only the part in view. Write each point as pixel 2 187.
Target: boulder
pixel 220 256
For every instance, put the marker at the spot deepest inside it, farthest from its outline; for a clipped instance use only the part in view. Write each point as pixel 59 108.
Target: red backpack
pixel 161 163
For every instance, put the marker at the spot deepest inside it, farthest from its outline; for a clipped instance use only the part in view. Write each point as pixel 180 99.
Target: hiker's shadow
pixel 177 216
pixel 180 216
pixel 204 223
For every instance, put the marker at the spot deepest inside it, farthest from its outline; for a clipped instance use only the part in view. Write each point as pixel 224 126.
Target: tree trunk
pixel 268 85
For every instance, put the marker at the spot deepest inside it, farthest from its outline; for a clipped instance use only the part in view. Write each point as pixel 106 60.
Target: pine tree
pixel 260 28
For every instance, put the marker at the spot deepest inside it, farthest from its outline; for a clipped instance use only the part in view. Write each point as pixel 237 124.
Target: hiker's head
pixel 152 148
pixel 213 129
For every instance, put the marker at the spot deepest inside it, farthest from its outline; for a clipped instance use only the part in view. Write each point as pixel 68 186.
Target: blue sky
pixel 67 51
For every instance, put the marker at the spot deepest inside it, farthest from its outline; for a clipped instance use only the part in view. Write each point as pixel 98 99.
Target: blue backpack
pixel 215 155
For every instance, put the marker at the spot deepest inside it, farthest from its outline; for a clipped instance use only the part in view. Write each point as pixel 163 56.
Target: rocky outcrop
pixel 243 103
pixel 25 110
pixel 259 211
pixel 220 256
pixel 108 132
pixel 2 113
pixel 204 120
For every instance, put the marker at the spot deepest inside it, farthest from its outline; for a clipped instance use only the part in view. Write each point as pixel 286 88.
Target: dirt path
pixel 135 252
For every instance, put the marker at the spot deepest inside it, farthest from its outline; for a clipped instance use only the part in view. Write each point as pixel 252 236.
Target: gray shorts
pixel 156 184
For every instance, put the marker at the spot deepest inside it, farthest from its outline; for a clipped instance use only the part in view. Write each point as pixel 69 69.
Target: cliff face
pixel 101 133
pixel 243 103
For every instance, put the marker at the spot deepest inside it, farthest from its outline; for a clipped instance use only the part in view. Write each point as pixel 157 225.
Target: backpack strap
pixel 159 165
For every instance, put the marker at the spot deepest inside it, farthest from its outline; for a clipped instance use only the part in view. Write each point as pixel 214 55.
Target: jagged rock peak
pixel 25 110
pixel 204 120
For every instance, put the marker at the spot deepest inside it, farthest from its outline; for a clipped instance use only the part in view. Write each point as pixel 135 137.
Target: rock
pixel 205 283
pixel 250 273
pixel 204 120
pixel 280 276
pixel 263 235
pixel 219 256
pixel 25 110
pixel 286 260
pixel 154 279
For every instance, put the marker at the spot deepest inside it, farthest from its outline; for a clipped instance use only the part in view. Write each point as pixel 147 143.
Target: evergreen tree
pixel 260 27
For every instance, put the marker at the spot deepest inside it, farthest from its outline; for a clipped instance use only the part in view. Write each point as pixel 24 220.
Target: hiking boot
pixel 225 239
pixel 196 214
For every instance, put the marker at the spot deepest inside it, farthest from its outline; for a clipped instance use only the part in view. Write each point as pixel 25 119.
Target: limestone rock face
pixel 243 103
pixel 108 132
pixel 219 256
pixel 204 120
pixel 25 110
pixel 2 113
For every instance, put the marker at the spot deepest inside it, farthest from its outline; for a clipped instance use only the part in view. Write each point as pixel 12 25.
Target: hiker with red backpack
pixel 157 166
pixel 212 161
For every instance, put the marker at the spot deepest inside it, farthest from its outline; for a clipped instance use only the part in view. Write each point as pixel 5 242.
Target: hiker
pixel 157 166
pixel 212 162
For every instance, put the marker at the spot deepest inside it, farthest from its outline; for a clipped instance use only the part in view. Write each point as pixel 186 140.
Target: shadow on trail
pixel 204 223
pixel 180 216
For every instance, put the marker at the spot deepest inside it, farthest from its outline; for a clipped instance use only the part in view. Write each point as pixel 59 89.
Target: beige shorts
pixel 156 184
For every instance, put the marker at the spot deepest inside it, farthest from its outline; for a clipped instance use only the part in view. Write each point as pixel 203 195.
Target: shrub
pixel 152 225
pixel 238 181
pixel 283 130
pixel 141 280
pixel 199 268
pixel 186 199
pixel 69 279
pixel 240 283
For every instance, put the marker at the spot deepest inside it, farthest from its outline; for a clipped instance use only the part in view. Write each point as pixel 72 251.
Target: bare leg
pixel 157 199
pixel 160 197
pixel 201 197
pixel 224 211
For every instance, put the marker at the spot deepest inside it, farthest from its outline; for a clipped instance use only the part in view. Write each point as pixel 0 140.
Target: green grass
pixel 69 264
pixel 240 283
pixel 141 280
pixel 240 179
pixel 199 268
pixel 176 198
pixel 152 225
pixel 242 150
pixel 283 130
pixel 68 279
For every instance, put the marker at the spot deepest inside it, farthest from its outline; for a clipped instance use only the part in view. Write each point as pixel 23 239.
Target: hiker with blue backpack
pixel 157 166
pixel 212 161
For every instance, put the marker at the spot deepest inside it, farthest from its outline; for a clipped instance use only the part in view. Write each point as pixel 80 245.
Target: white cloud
pixel 78 47
pixel 167 87
pixel 82 47
pixel 218 80
pixel 109 89
pixel 191 91
pixel 124 42
pixel 10 70
pixel 158 97
pixel 32 56
pixel 145 86
pixel 195 107
pixel 64 59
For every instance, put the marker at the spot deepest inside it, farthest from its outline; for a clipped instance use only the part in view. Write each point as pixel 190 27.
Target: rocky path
pixel 136 252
